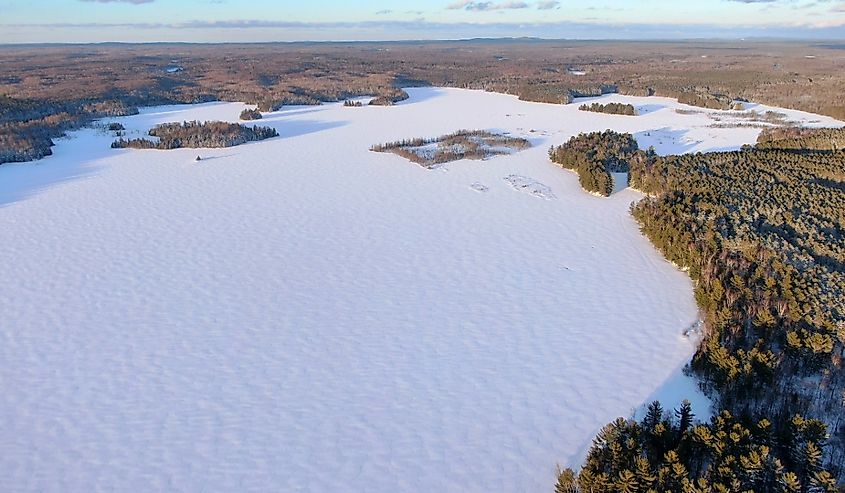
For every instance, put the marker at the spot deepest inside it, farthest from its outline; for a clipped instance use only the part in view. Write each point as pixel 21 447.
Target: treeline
pixel 700 95
pixel 595 155
pixel 464 144
pixel 549 91
pixel 564 92
pixel 198 134
pixel 762 234
pixel 385 95
pixel 797 138
pixel 27 127
pixel 610 108
pixel 673 452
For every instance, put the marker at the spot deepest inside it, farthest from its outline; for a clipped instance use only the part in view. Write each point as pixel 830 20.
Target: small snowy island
pixel 196 134
pixel 464 144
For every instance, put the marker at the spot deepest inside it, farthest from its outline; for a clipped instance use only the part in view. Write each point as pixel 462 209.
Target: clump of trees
pixel 704 98
pixel 115 127
pixel 389 97
pixel 674 452
pixel 250 114
pixel 352 104
pixel 464 144
pixel 269 105
pixel 595 155
pixel 610 108
pixel 198 134
pixel 761 232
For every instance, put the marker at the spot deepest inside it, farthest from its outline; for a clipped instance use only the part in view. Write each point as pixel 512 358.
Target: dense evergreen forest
pixel 198 134
pixel 672 452
pixel 594 156
pixel 610 108
pixel 762 233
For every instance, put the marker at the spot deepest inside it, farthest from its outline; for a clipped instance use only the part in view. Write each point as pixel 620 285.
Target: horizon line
pixel 789 39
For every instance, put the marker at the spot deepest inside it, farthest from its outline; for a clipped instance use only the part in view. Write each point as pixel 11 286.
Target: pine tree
pixel 566 482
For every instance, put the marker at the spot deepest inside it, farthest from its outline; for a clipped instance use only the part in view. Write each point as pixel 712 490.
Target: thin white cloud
pixel 134 2
pixel 476 6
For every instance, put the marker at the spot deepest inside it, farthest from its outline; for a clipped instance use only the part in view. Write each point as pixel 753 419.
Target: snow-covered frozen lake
pixel 301 314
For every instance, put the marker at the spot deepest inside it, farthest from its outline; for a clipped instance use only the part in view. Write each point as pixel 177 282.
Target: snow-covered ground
pixel 301 314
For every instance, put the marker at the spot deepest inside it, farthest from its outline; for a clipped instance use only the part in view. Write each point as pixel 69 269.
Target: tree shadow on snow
pixel 420 94
pixel 646 109
pixel 286 112
pixel 80 155
pixel 212 158
pixel 296 128
pixel 671 393
pixel 73 158
pixel 666 141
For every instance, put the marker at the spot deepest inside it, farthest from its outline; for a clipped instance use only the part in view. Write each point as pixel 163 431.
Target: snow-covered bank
pixel 301 314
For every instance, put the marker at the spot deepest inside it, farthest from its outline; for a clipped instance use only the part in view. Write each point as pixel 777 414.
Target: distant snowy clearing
pixel 302 314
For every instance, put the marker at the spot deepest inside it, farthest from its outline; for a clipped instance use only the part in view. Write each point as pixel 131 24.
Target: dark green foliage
pixel 610 108
pixel 122 143
pixel 728 454
pixel 115 127
pixel 762 233
pixel 594 156
pixel 352 104
pixel 197 134
pixel 250 114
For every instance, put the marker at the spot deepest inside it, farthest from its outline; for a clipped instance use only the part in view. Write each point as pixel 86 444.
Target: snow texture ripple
pixel 303 315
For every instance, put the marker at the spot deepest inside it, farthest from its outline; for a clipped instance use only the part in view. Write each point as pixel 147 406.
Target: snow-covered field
pixel 301 314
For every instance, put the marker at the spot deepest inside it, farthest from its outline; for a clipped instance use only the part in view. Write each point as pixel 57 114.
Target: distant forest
pixel 196 135
pixel 761 231
pixel 46 91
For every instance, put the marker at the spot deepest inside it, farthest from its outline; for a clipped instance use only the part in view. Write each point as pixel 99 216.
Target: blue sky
pixel 24 21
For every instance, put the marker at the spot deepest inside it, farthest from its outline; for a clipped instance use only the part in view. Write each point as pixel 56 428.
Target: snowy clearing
pixel 301 314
